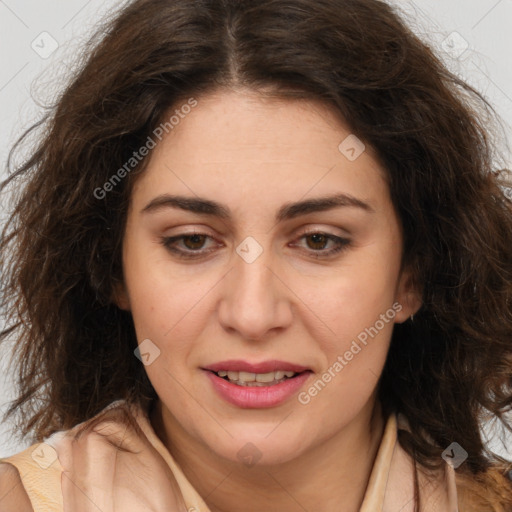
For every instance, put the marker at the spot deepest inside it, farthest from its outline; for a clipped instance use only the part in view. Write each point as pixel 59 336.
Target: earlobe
pixel 120 296
pixel 408 296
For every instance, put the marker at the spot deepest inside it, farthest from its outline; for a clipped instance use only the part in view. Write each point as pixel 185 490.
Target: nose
pixel 255 299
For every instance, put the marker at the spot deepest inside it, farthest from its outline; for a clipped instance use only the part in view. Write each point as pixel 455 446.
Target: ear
pixel 408 295
pixel 120 296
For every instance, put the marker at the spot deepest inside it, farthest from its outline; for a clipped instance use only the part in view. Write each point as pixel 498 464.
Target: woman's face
pixel 274 273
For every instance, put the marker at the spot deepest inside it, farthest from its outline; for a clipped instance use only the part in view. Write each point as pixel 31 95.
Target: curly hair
pixel 446 371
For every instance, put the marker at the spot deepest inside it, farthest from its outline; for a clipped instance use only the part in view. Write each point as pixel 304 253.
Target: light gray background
pixel 29 76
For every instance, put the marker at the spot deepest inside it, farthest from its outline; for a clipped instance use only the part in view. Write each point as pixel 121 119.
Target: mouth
pixel 265 373
pixel 257 385
pixel 250 379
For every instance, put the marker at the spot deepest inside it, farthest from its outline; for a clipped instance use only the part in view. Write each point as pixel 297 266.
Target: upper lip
pixel 238 365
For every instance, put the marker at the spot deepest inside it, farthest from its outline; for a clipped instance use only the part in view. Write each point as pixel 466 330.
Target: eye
pixel 192 244
pixel 320 240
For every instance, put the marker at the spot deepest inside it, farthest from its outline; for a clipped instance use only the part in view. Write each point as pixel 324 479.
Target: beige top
pixel 390 487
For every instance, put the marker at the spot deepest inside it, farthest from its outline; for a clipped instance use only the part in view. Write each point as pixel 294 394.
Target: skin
pixel 253 155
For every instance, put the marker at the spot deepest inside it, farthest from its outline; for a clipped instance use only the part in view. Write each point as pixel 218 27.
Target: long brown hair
pixel 61 248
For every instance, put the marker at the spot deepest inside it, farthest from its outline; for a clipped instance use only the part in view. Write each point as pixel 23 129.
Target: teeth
pixel 267 377
pixel 232 375
pixel 245 378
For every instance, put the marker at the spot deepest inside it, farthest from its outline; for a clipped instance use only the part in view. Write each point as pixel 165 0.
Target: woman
pixel 260 261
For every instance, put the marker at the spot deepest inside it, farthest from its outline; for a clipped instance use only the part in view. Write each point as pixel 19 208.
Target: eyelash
pixel 167 242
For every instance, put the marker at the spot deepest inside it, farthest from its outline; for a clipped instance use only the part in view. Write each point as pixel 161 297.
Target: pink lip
pixel 238 365
pixel 257 397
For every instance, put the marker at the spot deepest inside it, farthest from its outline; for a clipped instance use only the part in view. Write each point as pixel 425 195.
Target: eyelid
pixel 341 243
pixel 328 230
pixel 310 229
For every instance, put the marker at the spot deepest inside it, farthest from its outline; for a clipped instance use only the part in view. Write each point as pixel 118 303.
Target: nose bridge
pixel 253 300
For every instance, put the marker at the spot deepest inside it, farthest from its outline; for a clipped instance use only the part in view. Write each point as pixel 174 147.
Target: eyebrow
pixel 203 206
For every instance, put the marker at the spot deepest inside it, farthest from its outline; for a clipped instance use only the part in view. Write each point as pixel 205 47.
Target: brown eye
pixel 195 241
pixel 319 241
pixel 191 245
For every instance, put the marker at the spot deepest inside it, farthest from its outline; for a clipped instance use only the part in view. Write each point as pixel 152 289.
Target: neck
pixel 333 472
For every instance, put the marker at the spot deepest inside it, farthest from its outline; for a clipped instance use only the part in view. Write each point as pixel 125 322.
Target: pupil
pixel 194 239
pixel 315 238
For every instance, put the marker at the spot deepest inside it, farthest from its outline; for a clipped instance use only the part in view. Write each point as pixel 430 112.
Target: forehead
pixel 241 146
pixel 259 128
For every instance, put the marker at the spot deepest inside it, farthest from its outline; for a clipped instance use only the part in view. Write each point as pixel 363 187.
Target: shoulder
pixel 13 497
pixel 30 480
pixel 487 491
pixel 490 491
pixel 106 449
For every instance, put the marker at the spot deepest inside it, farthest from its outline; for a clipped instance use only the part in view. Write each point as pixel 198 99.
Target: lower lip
pixel 254 397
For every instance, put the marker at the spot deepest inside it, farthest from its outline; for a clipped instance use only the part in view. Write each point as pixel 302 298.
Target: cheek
pixel 357 309
pixel 354 349
pixel 170 306
pixel 355 346
pixel 354 297
pixel 157 293
pixel 167 312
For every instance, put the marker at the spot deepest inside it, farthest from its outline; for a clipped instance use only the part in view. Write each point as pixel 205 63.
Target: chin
pixel 259 448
